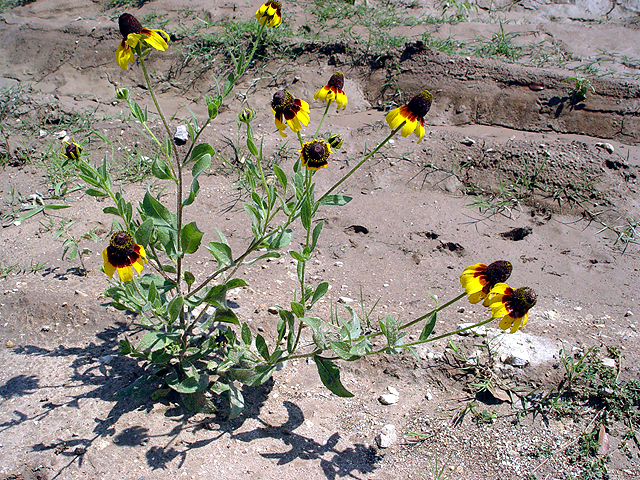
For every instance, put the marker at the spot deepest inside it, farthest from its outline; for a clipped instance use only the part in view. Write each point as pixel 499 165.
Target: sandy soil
pixel 409 231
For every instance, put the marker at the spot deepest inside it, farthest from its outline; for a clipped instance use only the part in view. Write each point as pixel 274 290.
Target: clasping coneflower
pixel 478 279
pixel 72 150
pixel 293 111
pixel 135 34
pixel 270 14
pixel 412 115
pixel 333 91
pixel 123 255
pixel 315 154
pixel 511 305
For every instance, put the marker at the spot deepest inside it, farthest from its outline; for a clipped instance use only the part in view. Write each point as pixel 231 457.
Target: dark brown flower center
pixel 522 300
pixel 72 151
pixel 315 154
pixel 420 104
pixel 122 242
pixel 316 151
pixel 498 272
pixel 129 24
pixel 282 100
pixel 336 80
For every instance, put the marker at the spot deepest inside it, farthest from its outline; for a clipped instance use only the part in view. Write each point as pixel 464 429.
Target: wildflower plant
pixel 194 344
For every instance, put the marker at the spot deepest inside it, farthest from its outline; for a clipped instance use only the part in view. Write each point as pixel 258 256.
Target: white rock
pixel 607 146
pixel 393 391
pixel 609 362
pixel 387 436
pixel 468 141
pixel 388 399
pixel 481 330
pixel 517 360
pixel 345 300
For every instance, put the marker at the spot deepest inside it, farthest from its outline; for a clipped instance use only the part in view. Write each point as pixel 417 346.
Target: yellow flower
pixel 134 34
pixel 72 150
pixel 293 111
pixel 511 305
pixel 333 91
pixel 315 154
pixel 270 13
pixel 123 255
pixel 412 115
pixel 478 279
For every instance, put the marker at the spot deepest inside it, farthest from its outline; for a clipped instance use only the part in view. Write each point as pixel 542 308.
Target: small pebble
pixel 468 141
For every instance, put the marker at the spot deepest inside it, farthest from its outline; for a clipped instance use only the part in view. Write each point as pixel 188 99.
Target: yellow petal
pixel 506 323
pixel 304 106
pixel 341 100
pixel 156 41
pixel 124 55
pixel 394 118
pixel 294 124
pixel 109 269
pixel 133 39
pixel 126 273
pixel 408 128
pixel 320 94
pixel 476 297
pixel 420 132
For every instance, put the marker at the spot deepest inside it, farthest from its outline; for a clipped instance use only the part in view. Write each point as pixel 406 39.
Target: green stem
pixel 366 157
pixel 435 310
pixel 322 120
pixel 300 139
pixel 179 179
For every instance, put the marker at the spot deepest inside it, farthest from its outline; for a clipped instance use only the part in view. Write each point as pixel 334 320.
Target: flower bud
pixel 122 94
pixel 246 115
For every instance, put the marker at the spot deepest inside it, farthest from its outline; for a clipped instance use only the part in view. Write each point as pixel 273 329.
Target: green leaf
pixel 252 376
pixel 281 176
pixel 261 346
pixel 235 283
pixel 191 237
pixel 262 257
pixel 221 252
pixel 152 340
pixel 236 401
pixel 390 330
pixel 428 327
pixel 318 336
pixel 226 316
pixel 96 193
pixel 144 231
pixel 321 289
pixel 202 157
pixel 192 384
pixel 161 170
pixel 335 200
pixel 296 256
pixel 175 307
pixel 157 211
pixel 330 377
pixel 343 350
pixel 110 211
pixel 317 230
pixel 193 193
pixel 280 239
pixel 298 309
pixel 216 296
pixel 246 334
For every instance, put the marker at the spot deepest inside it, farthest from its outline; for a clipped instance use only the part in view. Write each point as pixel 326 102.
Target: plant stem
pixel 366 157
pixel 322 120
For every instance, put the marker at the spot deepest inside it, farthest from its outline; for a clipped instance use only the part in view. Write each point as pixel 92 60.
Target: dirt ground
pixel 510 168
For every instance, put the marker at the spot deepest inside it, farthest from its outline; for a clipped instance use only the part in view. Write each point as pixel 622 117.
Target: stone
pixel 468 141
pixel 388 399
pixel 387 436
pixel 181 136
